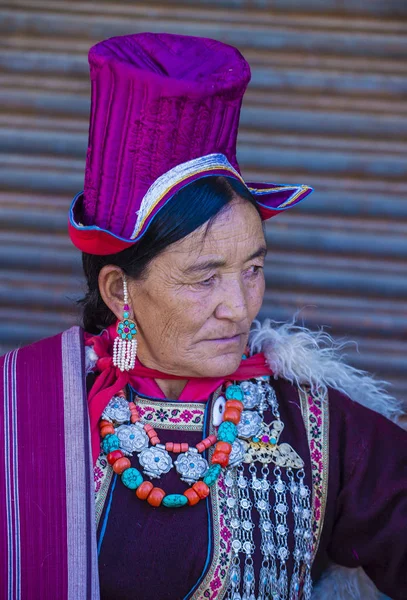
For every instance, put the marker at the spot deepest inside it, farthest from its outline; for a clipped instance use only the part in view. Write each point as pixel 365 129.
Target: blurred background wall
pixel 326 106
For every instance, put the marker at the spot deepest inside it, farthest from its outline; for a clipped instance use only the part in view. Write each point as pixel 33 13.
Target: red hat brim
pixel 272 199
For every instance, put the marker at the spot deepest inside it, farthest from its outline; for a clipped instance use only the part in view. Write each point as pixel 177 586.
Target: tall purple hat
pixel 164 112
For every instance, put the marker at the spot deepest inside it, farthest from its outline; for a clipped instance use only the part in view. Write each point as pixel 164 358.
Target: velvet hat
pixel 164 112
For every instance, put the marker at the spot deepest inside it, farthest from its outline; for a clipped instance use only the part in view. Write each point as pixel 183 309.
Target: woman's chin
pixel 220 365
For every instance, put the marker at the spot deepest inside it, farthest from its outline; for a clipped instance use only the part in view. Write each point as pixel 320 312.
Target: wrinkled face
pixel 195 307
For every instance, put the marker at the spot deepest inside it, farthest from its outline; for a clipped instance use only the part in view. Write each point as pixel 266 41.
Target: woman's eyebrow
pixel 205 266
pixel 216 264
pixel 260 253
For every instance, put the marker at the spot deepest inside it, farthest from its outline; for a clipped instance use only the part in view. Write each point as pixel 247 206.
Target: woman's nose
pixel 232 304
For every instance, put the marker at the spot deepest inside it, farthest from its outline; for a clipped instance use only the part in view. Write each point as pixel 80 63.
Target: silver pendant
pixel 250 424
pixel 117 410
pixel 285 456
pixel 155 462
pixel 272 398
pixel 191 466
pixel 250 391
pixel 268 498
pixel 132 438
pixel 239 449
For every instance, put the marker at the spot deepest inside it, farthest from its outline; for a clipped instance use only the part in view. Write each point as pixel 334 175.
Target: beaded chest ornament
pixel 121 439
pixel 245 448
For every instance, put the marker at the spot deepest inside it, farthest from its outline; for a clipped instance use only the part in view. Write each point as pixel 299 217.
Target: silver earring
pixel 125 344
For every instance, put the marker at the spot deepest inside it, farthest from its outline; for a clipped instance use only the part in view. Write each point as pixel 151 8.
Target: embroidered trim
pixel 12 488
pixel 185 416
pixel 214 583
pixel 103 474
pixel 315 412
pixel 297 191
pixel 173 177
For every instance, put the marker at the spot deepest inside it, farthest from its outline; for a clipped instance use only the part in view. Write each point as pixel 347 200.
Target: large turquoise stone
pixel 110 443
pixel 233 392
pixel 212 475
pixel 132 478
pixel 227 432
pixel 175 500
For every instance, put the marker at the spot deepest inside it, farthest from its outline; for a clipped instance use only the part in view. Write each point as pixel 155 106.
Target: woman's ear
pixel 110 283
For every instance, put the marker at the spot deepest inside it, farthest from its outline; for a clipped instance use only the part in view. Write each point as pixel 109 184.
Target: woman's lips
pixel 227 340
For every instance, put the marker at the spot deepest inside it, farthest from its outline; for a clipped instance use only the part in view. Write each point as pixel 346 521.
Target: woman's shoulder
pixel 49 355
pixel 306 359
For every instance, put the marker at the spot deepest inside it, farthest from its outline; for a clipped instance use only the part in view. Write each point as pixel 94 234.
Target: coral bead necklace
pixel 145 490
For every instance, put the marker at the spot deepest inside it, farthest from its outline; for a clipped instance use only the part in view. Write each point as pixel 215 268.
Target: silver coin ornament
pixel 155 462
pixel 117 411
pixel 250 424
pixel 132 438
pixel 191 466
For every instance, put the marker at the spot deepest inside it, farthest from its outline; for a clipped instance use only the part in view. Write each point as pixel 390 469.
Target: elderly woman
pixel 171 449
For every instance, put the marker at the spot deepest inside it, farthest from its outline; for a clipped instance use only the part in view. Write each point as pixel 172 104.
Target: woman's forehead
pixel 235 235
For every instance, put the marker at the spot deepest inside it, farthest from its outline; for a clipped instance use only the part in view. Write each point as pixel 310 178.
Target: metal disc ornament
pixel 117 411
pixel 155 462
pixel 132 438
pixel 250 394
pixel 239 449
pixel 250 424
pixel 191 466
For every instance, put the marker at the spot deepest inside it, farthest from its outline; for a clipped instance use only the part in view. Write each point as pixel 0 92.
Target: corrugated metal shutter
pixel 326 106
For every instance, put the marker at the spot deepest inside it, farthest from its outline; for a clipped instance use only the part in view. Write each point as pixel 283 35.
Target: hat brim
pixel 272 199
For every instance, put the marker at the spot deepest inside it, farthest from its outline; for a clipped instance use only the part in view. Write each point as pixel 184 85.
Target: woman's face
pixel 195 307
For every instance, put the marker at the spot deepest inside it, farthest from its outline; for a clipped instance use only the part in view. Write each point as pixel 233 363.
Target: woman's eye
pixel 255 269
pixel 207 282
pixel 204 282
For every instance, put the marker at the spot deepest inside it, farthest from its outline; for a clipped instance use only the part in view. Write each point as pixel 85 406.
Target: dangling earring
pixel 125 345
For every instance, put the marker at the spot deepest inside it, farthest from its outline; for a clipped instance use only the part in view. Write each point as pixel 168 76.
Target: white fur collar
pixel 306 357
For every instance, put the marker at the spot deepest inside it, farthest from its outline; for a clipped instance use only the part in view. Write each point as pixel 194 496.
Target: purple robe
pixel 47 531
pixel 48 539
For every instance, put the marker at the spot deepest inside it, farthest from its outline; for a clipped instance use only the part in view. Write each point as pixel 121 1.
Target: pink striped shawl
pixel 47 524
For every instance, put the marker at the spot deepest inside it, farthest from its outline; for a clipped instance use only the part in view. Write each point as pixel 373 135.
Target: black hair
pixel 191 207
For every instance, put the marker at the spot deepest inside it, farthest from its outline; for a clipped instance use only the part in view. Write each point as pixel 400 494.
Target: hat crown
pixel 158 100
pixel 199 61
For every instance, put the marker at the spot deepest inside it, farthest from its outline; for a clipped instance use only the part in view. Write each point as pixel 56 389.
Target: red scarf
pixel 111 380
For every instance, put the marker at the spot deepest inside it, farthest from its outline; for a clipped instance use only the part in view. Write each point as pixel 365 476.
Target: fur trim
pixel 91 359
pixel 341 583
pixel 306 357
